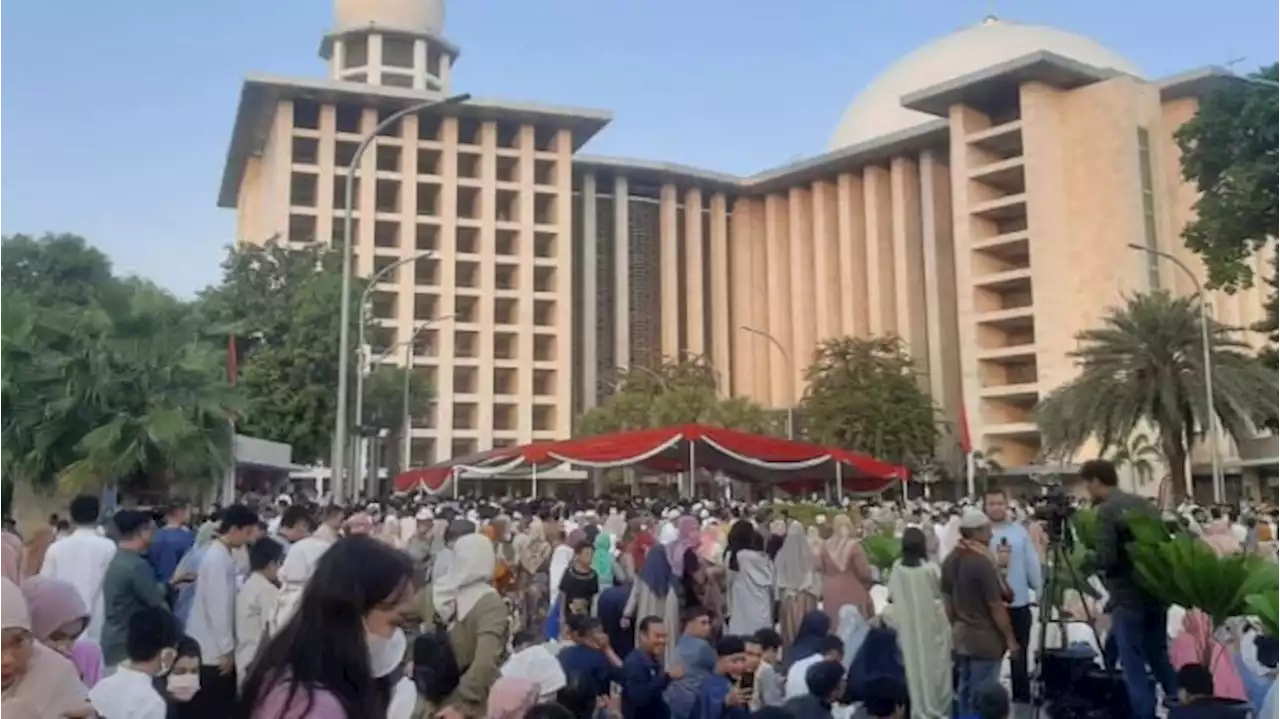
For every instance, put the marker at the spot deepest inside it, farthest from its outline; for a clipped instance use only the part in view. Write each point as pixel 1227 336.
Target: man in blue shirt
pixel 1020 563
pixel 643 678
pixel 171 541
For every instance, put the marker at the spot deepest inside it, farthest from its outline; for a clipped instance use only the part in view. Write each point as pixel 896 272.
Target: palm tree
pixel 1141 454
pixel 1144 366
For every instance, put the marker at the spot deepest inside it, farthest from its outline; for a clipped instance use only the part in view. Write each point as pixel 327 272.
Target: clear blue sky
pixel 116 115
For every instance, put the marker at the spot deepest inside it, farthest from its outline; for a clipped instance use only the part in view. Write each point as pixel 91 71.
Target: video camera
pixel 1055 510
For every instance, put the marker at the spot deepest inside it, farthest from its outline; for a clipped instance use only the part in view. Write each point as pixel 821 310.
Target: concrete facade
pixel 984 219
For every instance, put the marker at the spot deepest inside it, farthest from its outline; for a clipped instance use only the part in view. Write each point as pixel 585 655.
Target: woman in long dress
pixel 654 595
pixel 533 579
pixel 924 635
pixel 797 582
pixel 750 581
pixel 846 573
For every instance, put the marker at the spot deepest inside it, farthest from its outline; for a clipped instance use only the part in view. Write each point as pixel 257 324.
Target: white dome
pixel 877 111
pixel 411 15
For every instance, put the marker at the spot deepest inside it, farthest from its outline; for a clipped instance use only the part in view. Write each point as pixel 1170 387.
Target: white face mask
pixel 183 686
pixel 386 654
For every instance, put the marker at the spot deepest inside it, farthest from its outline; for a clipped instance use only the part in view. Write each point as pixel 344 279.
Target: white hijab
pixel 795 566
pixel 538 665
pixel 468 580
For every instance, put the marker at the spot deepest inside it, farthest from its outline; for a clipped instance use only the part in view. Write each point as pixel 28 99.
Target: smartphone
pixel 747 682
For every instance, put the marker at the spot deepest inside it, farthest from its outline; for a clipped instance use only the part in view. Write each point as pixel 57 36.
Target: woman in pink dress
pixel 846 574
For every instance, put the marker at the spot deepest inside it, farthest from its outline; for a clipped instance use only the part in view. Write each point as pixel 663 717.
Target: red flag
pixel 232 360
pixel 962 430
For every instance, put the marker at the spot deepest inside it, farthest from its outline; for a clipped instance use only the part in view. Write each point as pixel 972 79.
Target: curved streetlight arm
pixel 1215 460
pixel 341 422
pixel 791 372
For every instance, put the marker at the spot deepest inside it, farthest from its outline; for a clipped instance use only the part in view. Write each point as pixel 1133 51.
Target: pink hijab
pixel 688 536
pixel 1189 647
pixel 12 546
pixel 54 604
pixel 511 698
pixel 51 683
pixel 1220 539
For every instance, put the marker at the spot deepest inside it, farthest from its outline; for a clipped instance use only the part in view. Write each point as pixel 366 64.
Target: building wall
pixel 492 202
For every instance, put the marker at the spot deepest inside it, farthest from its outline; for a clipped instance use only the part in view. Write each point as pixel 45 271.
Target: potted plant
pixel 883 551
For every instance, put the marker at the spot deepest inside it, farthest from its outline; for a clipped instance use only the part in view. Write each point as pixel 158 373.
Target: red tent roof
pixel 794 465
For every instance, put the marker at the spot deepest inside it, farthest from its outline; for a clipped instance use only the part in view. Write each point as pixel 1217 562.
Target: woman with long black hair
pixel 340 654
pixel 750 581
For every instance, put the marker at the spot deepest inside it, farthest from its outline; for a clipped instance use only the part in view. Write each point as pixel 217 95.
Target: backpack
pixel 435 666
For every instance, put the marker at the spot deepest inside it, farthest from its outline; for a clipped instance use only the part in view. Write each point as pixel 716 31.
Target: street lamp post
pixel 408 367
pixel 340 422
pixel 791 372
pixel 1207 358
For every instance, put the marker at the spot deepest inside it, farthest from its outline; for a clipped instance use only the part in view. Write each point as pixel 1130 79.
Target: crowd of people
pixel 627 608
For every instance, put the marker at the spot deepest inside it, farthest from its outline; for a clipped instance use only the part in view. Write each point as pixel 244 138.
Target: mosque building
pixel 978 199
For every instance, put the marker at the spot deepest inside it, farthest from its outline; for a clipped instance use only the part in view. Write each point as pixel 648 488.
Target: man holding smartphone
pixel 1020 564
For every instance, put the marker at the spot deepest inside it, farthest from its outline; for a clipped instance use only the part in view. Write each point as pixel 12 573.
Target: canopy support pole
pixel 535 482
pixel 693 458
pixel 839 480
pixel 457 477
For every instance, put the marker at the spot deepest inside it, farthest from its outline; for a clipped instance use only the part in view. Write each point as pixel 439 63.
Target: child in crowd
pixel 130 693
pixel 256 601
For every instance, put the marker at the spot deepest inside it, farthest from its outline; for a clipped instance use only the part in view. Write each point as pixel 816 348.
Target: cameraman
pixel 1020 564
pixel 1138 620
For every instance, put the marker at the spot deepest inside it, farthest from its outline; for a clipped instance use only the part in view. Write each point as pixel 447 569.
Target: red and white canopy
pixel 792 465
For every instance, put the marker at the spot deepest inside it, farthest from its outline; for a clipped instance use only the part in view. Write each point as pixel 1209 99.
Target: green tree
pixel 1229 153
pixel 281 306
pixel 864 395
pixel 676 393
pixel 1143 367
pixel 55 270
pixel 384 407
pixel 1141 454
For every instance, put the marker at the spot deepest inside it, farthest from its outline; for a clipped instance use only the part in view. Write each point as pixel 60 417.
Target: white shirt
pixel 797 685
pixel 81 559
pixel 127 694
pixel 213 610
pixel 296 570
pixel 255 609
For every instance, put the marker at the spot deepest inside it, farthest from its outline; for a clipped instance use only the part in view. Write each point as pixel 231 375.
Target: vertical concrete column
pixel 326 211
pixel 721 325
pixel 375 59
pixel 419 64
pixel 908 261
pixel 488 261
pixel 940 285
pixel 961 118
pixel 826 262
pixel 695 292
pixel 407 222
pixel 777 258
pixel 564 281
pixel 742 302
pixel 879 271
pixel 366 196
pixel 800 255
pixel 338 58
pixel 669 271
pixel 281 169
pixel 447 257
pixel 589 380
pixel 621 271
pixel 762 353
pixel 851 231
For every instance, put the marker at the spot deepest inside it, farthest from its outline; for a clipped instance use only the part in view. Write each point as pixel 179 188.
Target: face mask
pixel 183 686
pixel 386 654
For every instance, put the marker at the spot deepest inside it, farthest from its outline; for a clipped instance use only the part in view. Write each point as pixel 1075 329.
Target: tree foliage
pixel 281 307
pixel 1229 152
pixel 1144 366
pixel 864 395
pixel 384 408
pixel 105 380
pixel 676 393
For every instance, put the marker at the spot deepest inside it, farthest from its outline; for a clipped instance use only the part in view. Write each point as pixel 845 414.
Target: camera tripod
pixel 1058 671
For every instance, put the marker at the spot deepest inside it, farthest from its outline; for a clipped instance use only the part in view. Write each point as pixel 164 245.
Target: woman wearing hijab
pixel 602 560
pixel 846 573
pixel 654 594
pixel 533 578
pixel 750 604
pixel 635 544
pixel 1218 535
pixel 511 698
pixel 924 634
pixel 797 583
pixel 682 554
pixel 466 603
pixel 810 630
pixel 58 620
pixel 1195 644
pixel 777 535
pixel 37 682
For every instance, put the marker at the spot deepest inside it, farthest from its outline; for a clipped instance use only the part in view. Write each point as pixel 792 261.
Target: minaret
pixel 397 43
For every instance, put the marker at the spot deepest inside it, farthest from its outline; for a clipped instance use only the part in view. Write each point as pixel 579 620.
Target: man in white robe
pixel 82 558
pixel 300 563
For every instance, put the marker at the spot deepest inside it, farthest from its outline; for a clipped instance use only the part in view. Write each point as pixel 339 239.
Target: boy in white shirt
pixel 130 693
pixel 256 602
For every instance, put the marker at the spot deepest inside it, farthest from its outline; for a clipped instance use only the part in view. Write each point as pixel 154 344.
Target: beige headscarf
pixel 469 579
pixel 842 542
pixel 51 685
pixel 534 550
pixel 794 563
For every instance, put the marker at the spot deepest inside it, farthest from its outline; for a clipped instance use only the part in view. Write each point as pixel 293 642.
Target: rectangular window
pixel 1150 238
